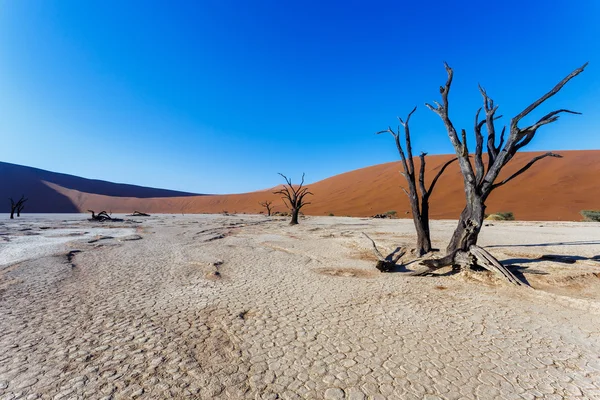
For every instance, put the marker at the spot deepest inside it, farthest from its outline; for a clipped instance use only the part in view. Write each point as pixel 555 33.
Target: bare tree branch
pixel 437 176
pixel 410 160
pixel 515 121
pixel 380 256
pixel 525 168
pixel 460 148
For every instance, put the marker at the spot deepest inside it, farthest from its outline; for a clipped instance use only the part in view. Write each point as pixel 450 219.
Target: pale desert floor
pixel 244 306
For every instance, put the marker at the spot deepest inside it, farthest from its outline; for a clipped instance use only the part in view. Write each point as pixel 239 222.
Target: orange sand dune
pixel 553 189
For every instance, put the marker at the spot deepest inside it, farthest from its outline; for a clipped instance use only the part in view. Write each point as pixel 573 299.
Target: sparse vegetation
pixel 331 214
pixel 501 216
pixel 591 215
pixel 392 213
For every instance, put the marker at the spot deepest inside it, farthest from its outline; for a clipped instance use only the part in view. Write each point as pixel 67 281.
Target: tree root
pixel 475 256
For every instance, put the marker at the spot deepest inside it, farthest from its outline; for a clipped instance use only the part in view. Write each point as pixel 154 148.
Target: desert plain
pixel 248 307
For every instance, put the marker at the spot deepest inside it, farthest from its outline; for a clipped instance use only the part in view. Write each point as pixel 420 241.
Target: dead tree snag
pixel 419 207
pixel 17 206
pixel 293 197
pixel 478 180
pixel 267 204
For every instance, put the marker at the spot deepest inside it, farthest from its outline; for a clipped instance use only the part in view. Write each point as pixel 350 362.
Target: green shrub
pixel 331 214
pixel 591 215
pixel 392 213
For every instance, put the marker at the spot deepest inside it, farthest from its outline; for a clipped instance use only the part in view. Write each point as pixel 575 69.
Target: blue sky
pixel 219 96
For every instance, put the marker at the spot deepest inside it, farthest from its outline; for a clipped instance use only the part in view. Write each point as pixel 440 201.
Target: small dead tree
pixel 20 208
pixel 293 197
pixel 479 181
pixel 419 207
pixel 267 204
pixel 17 206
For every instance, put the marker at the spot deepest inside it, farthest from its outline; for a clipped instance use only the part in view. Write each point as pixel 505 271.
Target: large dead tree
pixel 267 204
pixel 419 207
pixel 17 206
pixel 480 180
pixel 293 197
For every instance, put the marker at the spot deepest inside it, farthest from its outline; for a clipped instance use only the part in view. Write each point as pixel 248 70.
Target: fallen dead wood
pixel 138 214
pixel 389 263
pixel 103 216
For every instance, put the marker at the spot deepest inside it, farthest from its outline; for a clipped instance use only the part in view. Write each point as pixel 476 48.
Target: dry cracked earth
pixel 246 307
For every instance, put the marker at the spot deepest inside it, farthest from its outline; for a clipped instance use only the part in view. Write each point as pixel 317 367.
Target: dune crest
pixel 553 190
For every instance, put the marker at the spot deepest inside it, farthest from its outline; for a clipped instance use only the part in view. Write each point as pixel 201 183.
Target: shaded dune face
pixel 553 189
pixel 36 185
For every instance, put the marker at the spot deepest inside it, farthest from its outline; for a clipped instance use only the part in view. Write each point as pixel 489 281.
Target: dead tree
pixel 267 204
pixel 420 208
pixel 20 208
pixel 17 206
pixel 479 181
pixel 293 197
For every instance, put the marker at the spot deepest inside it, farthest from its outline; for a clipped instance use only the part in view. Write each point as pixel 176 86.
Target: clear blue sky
pixel 219 96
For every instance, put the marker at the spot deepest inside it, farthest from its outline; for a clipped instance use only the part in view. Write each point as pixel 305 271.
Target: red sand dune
pixel 553 189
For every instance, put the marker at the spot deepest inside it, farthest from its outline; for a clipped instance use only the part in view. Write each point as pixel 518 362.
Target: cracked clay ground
pixel 243 307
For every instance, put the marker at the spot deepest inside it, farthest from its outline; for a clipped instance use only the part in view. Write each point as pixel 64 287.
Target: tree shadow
pixel 563 259
pixel 575 243
pixel 519 271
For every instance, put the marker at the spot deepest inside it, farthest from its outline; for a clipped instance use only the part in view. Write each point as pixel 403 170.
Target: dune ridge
pixel 552 190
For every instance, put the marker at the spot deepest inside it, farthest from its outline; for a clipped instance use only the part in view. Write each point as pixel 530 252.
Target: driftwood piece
pixel 103 216
pixel 138 214
pixel 389 263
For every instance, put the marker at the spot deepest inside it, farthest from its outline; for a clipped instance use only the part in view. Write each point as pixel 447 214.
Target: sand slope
pixel 554 189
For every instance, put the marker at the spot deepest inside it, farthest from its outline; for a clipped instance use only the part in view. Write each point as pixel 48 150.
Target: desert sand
pixel 552 190
pixel 235 307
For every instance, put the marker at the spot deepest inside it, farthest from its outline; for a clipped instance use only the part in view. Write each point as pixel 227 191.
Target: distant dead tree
pixel 17 206
pixel 420 209
pixel 267 204
pixel 479 181
pixel 293 197
pixel 20 208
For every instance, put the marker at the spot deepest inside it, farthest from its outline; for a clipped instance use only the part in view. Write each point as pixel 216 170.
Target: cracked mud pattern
pixel 208 307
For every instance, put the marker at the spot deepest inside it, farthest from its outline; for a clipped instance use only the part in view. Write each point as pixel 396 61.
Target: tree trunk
pixel 294 220
pixel 422 227
pixel 469 225
pixel 12 214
